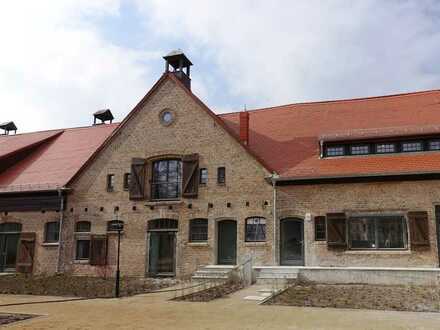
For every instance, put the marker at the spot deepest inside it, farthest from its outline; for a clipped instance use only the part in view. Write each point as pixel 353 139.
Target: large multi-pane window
pixel 198 230
pixel 255 229
pixel 377 232
pixel 412 146
pixel 167 179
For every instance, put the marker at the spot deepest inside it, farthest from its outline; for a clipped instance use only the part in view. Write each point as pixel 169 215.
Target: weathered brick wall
pixel 389 197
pixel 46 254
pixel 144 136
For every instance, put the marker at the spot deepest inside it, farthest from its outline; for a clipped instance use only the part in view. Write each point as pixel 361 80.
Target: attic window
pixel 385 148
pixel 335 151
pixel 434 145
pixel 360 149
pixel 412 146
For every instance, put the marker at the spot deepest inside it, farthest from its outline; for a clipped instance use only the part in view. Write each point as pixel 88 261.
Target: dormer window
pixel 334 151
pixel 412 146
pixel 434 145
pixel 385 148
pixel 360 149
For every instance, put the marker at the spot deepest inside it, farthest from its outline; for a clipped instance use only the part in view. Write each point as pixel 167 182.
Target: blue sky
pixel 63 60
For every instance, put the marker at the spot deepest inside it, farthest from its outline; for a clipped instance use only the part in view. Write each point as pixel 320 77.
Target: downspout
pixel 273 178
pixel 60 233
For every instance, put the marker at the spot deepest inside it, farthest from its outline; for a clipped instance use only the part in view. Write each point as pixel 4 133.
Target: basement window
pixel 377 232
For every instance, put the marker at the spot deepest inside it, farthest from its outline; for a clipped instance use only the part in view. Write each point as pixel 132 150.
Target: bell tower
pixel 177 63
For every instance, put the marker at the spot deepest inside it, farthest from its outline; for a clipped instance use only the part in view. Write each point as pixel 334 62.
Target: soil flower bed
pixel 382 297
pixel 10 318
pixel 78 286
pixel 209 294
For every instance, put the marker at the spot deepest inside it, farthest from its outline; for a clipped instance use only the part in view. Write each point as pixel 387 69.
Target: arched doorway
pixel 227 242
pixel 292 242
pixel 162 247
pixel 9 239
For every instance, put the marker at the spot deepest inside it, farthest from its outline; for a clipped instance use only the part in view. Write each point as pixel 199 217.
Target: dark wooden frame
pixel 245 229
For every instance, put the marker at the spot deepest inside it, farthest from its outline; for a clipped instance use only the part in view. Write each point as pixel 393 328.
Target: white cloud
pixel 273 52
pixel 56 69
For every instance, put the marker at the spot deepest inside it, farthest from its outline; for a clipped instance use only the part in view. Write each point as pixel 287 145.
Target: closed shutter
pixel 26 250
pixel 98 253
pixel 336 230
pixel 137 182
pixel 190 181
pixel 419 228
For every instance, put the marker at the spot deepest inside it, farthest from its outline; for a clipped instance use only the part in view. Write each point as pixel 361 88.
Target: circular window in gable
pixel 167 117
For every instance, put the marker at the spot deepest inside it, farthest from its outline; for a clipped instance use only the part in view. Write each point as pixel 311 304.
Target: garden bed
pixel 78 286
pixel 11 318
pixel 212 293
pixel 382 297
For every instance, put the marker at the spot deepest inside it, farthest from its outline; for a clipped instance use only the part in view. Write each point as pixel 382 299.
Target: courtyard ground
pixel 154 311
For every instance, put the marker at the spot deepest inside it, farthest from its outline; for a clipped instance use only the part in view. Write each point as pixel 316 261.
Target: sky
pixel 62 60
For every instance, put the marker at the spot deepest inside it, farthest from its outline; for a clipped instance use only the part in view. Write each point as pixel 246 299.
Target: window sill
pixel 382 252
pixel 164 202
pixel 50 244
pixel 255 243
pixel 81 262
pixel 198 244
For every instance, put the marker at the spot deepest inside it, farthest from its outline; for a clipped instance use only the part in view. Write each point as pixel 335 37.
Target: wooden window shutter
pixel 190 181
pixel 336 229
pixel 419 228
pixel 26 250
pixel 137 179
pixel 98 251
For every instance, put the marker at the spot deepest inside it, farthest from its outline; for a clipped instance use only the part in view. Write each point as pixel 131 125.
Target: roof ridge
pixel 367 98
pixel 61 129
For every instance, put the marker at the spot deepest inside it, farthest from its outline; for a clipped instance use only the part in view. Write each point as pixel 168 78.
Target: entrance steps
pixel 271 274
pixel 213 272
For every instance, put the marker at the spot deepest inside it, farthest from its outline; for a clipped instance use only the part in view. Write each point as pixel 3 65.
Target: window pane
pixel 52 232
pixel 434 145
pixel 412 146
pixel 83 226
pixel 127 178
pixel 335 151
pixel 221 175
pixel 391 233
pixel 203 176
pixel 362 235
pixel 198 231
pixel 383 148
pixel 360 150
pixel 255 230
pixel 320 230
pixel 82 249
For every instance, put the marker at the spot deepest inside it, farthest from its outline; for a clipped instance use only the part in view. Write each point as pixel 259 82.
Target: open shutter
pixel 137 182
pixel 336 230
pixel 98 253
pixel 190 181
pixel 26 249
pixel 419 228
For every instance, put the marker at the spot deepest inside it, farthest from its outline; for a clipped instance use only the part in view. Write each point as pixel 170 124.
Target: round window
pixel 166 117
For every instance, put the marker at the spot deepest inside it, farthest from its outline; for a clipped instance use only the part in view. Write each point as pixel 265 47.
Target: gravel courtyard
pixel 154 311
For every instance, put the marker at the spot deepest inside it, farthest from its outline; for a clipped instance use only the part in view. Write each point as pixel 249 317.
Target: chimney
pixel 244 127
pixel 177 63
pixel 103 115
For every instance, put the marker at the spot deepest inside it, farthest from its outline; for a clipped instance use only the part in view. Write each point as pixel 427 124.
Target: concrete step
pixel 278 275
pixel 213 272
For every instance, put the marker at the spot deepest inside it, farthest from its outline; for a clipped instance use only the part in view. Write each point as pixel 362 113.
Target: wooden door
pixel 227 242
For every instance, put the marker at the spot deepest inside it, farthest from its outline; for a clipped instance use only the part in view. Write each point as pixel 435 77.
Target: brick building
pixel 339 183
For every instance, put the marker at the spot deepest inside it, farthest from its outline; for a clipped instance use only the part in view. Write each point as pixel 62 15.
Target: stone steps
pixel 266 275
pixel 213 272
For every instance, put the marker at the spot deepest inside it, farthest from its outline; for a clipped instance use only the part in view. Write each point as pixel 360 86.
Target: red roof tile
pixel 54 162
pixel 287 137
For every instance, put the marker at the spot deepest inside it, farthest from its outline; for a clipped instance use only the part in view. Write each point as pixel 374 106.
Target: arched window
pixel 10 227
pixel 83 227
pixel 52 232
pixel 198 230
pixel 255 230
pixel 163 224
pixel 166 179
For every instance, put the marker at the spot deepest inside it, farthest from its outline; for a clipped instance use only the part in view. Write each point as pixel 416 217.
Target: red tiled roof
pixel 287 137
pixel 54 162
